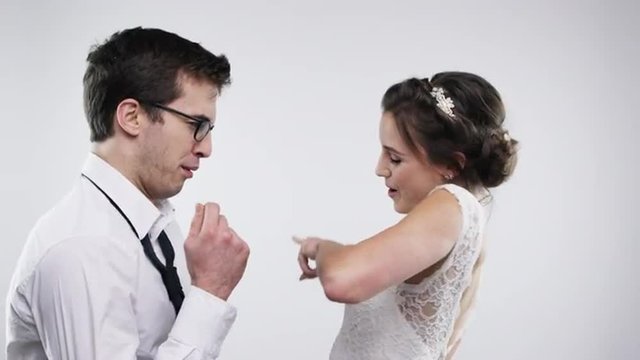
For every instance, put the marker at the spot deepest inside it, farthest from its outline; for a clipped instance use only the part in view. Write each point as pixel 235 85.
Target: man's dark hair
pixel 146 65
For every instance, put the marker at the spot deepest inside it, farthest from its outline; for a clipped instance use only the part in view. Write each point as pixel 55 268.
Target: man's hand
pixel 216 255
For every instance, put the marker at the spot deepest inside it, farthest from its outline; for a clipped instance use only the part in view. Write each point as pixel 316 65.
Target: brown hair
pixel 146 65
pixel 475 129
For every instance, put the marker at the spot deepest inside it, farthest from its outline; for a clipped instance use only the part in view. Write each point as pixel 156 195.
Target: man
pixel 96 278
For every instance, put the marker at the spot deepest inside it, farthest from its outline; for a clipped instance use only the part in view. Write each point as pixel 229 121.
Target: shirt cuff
pixel 204 321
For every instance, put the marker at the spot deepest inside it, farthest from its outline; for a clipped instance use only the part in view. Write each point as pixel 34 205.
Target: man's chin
pixel 175 190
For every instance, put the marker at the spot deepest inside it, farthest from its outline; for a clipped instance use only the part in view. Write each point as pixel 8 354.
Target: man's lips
pixel 188 170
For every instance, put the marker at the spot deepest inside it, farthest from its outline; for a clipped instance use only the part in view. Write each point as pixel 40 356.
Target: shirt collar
pixel 142 213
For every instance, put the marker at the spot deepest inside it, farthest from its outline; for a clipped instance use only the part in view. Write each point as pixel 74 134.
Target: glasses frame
pixel 198 122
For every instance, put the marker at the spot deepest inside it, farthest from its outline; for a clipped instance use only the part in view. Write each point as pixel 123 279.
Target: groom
pixel 96 278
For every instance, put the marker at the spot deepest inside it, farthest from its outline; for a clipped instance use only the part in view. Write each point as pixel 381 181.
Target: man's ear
pixel 129 117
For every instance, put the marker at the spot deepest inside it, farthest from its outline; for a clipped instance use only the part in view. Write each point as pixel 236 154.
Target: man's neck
pixel 121 160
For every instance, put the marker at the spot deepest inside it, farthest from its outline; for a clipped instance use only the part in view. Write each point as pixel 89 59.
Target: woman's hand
pixel 308 251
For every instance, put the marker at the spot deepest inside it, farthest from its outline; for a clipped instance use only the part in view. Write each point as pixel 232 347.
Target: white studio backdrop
pixel 296 143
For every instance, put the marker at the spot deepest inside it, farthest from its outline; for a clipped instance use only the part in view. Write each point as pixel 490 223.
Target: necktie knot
pixel 167 271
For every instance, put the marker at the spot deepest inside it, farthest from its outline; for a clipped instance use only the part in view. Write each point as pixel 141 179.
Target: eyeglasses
pixel 202 126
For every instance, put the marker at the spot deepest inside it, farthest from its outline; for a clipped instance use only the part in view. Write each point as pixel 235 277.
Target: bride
pixel 408 288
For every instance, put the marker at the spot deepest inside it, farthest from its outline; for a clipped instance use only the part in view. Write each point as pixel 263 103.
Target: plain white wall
pixel 296 143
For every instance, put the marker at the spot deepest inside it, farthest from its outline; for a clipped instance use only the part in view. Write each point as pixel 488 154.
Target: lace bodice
pixel 415 321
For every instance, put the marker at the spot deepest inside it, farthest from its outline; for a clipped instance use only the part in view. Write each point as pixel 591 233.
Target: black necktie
pixel 167 272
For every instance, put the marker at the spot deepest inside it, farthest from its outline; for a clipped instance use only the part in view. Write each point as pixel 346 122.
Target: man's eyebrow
pixel 201 117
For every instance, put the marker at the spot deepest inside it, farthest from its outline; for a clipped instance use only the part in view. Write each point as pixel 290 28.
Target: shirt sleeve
pixel 202 325
pixel 83 309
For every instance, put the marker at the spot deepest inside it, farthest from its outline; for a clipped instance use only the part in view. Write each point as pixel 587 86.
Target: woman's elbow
pixel 342 289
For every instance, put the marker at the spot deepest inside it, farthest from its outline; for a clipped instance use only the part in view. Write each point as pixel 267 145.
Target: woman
pixel 408 288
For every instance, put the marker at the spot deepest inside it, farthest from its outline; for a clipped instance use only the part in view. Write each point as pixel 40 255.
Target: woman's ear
pixel 452 171
pixel 461 160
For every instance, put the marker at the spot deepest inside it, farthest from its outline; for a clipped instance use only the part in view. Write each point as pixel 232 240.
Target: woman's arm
pixel 354 273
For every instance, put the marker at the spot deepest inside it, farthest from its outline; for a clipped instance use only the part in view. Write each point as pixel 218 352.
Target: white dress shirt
pixel 84 289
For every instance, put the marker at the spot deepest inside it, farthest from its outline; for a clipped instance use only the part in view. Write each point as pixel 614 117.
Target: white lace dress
pixel 415 321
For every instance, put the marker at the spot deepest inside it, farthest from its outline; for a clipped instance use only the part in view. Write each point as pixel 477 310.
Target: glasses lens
pixel 202 131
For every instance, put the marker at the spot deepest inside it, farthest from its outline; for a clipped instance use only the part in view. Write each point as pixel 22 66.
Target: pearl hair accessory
pixel 443 102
